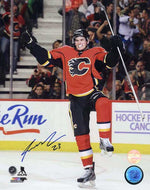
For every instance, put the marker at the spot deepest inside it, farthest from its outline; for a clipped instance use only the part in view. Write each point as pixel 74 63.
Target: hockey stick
pixel 123 63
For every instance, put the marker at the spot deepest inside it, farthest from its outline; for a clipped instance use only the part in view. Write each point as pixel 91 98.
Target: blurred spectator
pixel 2 7
pixel 108 77
pixel 40 75
pixel 40 8
pixel 131 64
pixel 143 4
pixel 57 74
pixel 24 9
pixel 37 7
pixel 145 91
pixel 56 91
pixel 57 71
pixel 56 44
pixel 74 21
pixel 93 41
pixel 131 4
pixel 118 14
pixel 145 55
pixel 34 79
pixel 38 92
pixel 127 28
pixel 93 11
pixel 145 22
pixel 141 75
pixel 145 45
pixel 136 10
pixel 47 89
pixel 109 11
pixel 5 41
pixel 32 10
pixel 95 24
pixel 7 5
pixel 127 87
pixel 83 6
pixel 104 38
pixel 119 75
pixel 120 95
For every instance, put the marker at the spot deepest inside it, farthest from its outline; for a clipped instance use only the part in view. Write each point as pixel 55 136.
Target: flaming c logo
pixel 74 65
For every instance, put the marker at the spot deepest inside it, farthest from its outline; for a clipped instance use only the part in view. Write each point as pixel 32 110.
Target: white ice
pixel 59 171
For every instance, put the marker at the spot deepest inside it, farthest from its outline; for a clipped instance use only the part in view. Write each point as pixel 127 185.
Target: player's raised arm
pixel 40 53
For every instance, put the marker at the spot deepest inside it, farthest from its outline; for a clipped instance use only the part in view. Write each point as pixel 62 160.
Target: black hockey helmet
pixel 80 32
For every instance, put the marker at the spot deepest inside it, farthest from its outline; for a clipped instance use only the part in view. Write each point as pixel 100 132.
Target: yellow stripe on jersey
pixel 108 67
pixel 96 81
pixel 85 157
pixel 105 58
pixel 84 94
pixel 45 64
pixel 104 130
pixel 49 55
pixel 105 62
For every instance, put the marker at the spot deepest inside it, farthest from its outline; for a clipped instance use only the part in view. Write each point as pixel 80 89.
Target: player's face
pixel 80 43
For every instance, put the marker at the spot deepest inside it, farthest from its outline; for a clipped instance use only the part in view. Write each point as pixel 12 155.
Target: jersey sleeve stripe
pixel 46 63
pixel 106 63
pixel 49 55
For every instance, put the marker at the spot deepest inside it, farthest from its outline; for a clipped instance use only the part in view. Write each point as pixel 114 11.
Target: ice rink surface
pixel 59 171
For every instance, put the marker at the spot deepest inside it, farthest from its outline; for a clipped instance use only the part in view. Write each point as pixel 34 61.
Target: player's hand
pixel 116 42
pixel 27 38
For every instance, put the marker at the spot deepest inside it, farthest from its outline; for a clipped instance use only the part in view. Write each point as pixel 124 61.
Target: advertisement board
pixel 25 121
pixel 127 124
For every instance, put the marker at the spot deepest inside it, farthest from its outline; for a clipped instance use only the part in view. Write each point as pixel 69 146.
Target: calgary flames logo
pixel 76 63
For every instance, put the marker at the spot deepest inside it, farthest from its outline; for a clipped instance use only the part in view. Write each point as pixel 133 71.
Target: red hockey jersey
pixel 79 70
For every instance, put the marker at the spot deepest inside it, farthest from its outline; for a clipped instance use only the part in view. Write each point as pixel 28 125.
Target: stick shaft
pixel 123 63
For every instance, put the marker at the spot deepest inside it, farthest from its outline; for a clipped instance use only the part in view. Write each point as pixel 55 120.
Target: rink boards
pixel 45 125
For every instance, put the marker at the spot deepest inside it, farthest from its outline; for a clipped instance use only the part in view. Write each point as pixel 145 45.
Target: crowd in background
pixel 132 25
pixel 25 16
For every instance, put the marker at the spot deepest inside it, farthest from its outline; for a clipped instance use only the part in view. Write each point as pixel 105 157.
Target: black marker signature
pixel 49 141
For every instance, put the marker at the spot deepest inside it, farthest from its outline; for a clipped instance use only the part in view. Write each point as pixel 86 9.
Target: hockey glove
pixel 116 42
pixel 112 57
pixel 28 40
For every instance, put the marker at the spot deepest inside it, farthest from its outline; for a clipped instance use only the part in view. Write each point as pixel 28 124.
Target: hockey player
pixel 81 67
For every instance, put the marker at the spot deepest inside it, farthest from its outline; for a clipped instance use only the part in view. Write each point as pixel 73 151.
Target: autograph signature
pixel 32 146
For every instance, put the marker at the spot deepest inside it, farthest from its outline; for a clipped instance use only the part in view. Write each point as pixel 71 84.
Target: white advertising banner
pixel 127 124
pixel 28 120
pixel 25 120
